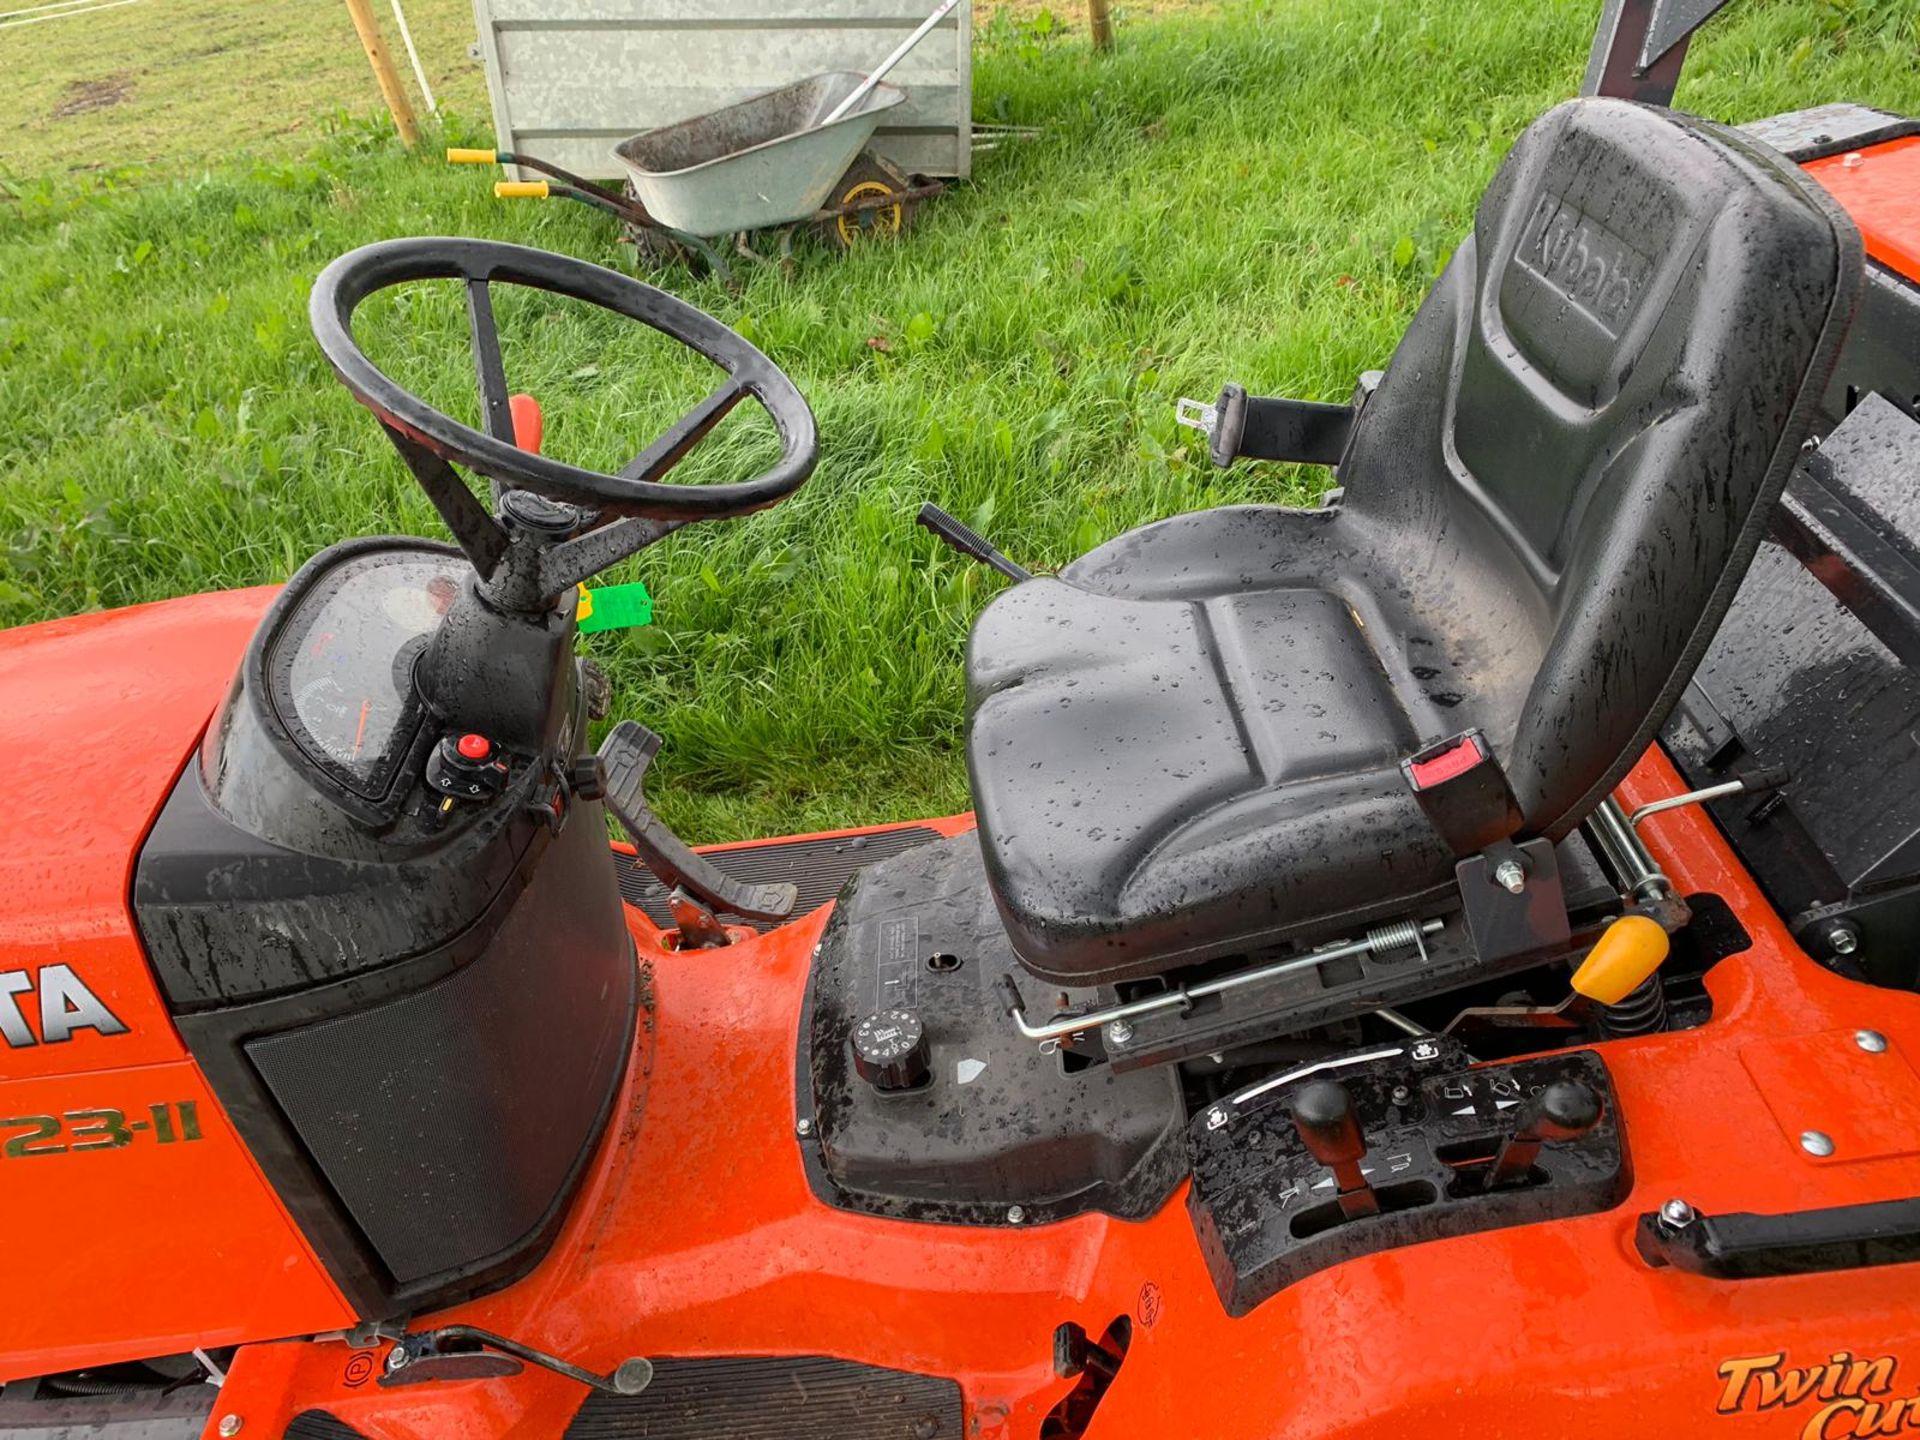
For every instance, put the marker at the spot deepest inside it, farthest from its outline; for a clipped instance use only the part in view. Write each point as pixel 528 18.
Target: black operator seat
pixel 1189 743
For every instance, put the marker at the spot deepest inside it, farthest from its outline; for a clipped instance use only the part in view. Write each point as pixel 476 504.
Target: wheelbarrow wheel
pixel 656 249
pixel 870 180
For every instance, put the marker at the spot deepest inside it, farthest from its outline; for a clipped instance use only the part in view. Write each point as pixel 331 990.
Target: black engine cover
pixel 999 1124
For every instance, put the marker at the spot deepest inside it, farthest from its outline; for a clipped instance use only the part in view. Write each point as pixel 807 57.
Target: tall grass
pixel 1261 195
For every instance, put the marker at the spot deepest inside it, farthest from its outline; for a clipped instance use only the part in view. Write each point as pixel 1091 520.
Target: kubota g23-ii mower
pixel 1441 963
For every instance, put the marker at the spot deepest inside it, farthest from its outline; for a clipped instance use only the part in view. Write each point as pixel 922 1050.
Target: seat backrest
pixel 1593 414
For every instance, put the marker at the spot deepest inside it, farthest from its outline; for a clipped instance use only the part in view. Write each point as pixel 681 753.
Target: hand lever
pixel 1565 1110
pixel 1323 1114
pixel 968 542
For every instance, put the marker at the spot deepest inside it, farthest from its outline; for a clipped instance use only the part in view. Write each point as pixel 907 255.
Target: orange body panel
pixel 119 1244
pixel 1880 188
pixel 697 1234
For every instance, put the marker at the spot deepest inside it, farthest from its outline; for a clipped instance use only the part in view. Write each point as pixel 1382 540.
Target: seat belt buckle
pixel 1239 426
pixel 1463 792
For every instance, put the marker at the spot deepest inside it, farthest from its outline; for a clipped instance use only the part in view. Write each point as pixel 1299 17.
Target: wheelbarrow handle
pixel 459 156
pixel 521 189
pixel 879 72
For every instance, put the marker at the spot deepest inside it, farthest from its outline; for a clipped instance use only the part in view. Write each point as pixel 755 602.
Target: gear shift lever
pixel 1565 1110
pixel 1323 1113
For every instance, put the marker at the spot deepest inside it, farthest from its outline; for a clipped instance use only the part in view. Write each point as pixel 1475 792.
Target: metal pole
pixel 390 87
pixel 1187 994
pixel 419 71
pixel 1632 864
pixel 879 71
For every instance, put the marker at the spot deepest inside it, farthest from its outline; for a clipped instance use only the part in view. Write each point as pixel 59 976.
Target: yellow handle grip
pixel 458 156
pixel 1621 959
pixel 520 189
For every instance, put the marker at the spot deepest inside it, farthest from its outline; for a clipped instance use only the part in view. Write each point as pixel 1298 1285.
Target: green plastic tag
pixel 614 607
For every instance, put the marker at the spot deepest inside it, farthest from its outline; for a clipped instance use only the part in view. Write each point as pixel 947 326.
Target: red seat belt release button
pixel 1459 756
pixel 1463 791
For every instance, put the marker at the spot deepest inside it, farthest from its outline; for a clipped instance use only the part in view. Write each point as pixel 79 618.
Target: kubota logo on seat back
pixel 65 1005
pixel 1842 1395
pixel 1581 259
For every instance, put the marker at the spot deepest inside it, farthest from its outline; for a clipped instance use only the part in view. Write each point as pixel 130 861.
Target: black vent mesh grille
pixel 319 1425
pixel 769 1398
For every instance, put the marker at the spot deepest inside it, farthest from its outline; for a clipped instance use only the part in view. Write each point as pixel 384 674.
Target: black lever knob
pixel 1565 1110
pixel 587 777
pixel 1323 1113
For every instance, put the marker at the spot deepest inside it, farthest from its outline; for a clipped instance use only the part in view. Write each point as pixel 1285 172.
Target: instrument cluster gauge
pixel 340 667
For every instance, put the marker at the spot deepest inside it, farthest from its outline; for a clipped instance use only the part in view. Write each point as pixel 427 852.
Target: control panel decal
pixel 76 1132
pixel 63 1002
pixel 1842 1395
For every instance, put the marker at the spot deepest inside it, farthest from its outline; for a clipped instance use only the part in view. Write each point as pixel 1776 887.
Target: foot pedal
pixel 1396 1146
pixel 625 755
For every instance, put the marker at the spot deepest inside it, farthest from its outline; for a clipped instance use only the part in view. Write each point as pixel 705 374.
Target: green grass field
pixel 1261 192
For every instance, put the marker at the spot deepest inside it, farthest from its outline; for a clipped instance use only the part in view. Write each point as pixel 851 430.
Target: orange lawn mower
pixel 1438 963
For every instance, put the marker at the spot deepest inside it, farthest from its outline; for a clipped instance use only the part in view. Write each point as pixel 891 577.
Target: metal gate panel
pixel 571 78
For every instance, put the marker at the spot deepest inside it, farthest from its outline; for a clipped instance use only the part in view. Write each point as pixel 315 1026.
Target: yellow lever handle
pixel 1621 959
pixel 457 156
pixel 520 189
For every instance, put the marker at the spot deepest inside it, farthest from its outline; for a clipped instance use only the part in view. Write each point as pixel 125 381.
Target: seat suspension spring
pixel 1382 938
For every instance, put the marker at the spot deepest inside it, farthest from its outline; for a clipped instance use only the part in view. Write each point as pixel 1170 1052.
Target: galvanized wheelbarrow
pixel 768 162
pixel 762 163
pixel 776 160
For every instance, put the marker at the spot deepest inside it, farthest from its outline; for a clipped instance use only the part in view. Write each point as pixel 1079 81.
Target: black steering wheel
pixel 637 500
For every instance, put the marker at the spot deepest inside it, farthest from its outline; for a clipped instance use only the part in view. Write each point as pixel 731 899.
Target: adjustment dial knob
pixel 890 1051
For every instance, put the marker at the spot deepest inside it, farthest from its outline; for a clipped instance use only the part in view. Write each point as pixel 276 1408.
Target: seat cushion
pixel 1186 773
pixel 1187 745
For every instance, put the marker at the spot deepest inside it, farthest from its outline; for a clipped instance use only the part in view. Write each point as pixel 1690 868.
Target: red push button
pixel 475 747
pixel 1447 765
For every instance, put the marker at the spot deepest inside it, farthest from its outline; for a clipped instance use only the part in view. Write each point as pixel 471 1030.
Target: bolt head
pixel 1852 160
pixel 1015 1214
pixel 803 1126
pixel 1871 1041
pixel 397 1358
pixel 1511 876
pixel 1119 1031
pixel 1843 940
pixel 230 1425
pixel 1678 1213
pixel 1816 1143
pixel 1400 1095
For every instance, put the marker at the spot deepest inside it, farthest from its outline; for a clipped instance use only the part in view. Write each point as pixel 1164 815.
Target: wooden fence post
pixel 1100 22
pixel 390 87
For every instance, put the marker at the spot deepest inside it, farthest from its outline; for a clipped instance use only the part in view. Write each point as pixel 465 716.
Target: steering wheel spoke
pixel 478 533
pixel 565 566
pixel 489 371
pixel 685 433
